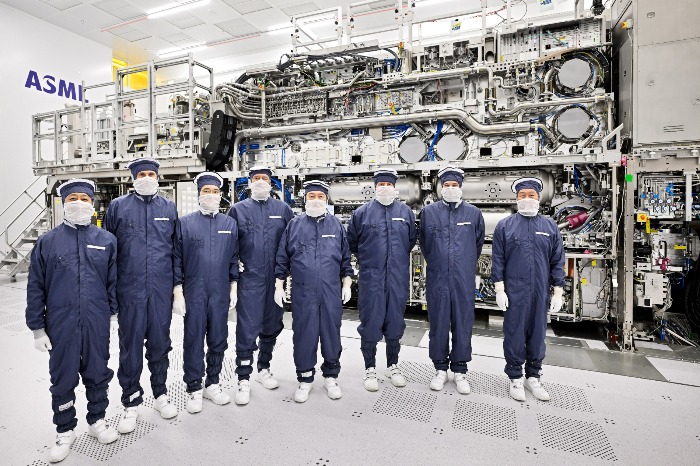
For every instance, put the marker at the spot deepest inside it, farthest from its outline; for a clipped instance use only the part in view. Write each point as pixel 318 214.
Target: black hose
pixel 692 296
pixel 283 66
pixel 242 78
pixel 396 57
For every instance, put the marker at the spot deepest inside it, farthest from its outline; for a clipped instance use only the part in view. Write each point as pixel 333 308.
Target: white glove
pixel 233 297
pixel 179 301
pixel 346 293
pixel 113 324
pixel 556 301
pixel 42 341
pixel 241 267
pixel 501 296
pixel 280 297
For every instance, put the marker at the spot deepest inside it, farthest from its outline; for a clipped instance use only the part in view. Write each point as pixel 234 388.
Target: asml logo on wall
pixel 65 88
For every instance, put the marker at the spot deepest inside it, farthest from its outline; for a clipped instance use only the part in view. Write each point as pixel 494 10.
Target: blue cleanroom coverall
pixel 451 237
pixel 260 227
pixel 71 293
pixel 382 237
pixel 316 252
pixel 528 256
pixel 145 229
pixel 206 262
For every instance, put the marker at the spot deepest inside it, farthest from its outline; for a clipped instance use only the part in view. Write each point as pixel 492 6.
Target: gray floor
pixel 606 406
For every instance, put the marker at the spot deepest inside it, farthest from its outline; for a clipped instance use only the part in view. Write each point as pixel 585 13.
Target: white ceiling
pixel 236 27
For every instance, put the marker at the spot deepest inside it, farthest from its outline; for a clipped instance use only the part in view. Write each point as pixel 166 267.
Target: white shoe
pixel 128 421
pixel 61 448
pixel 267 380
pixel 302 392
pixel 332 387
pixel 438 381
pixel 535 387
pixel 517 392
pixel 166 409
pixel 462 384
pixel 214 393
pixel 242 396
pixel 194 402
pixel 102 432
pixel 370 380
pixel 397 378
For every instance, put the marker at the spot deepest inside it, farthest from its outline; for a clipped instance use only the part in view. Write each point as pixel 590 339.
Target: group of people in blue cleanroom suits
pixel 148 264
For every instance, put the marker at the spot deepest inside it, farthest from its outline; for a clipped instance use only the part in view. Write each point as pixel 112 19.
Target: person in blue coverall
pixel 528 259
pixel 144 224
pixel 382 234
pixel 71 298
pixel 206 270
pixel 451 238
pixel 314 247
pixel 261 220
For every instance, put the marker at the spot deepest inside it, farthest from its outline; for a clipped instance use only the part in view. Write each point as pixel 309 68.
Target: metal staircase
pixel 32 219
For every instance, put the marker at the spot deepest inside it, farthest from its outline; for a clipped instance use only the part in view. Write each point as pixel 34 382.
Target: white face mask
pixel 260 190
pixel 315 208
pixel 385 195
pixel 528 207
pixel 146 186
pixel 209 203
pixel 78 212
pixel 451 194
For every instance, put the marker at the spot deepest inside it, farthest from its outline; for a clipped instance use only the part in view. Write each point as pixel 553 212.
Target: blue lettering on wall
pixel 65 88
pixel 33 81
pixel 50 87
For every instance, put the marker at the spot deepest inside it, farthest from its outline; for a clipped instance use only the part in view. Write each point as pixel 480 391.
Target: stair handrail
pixel 31 224
pixel 26 191
pixel 9 245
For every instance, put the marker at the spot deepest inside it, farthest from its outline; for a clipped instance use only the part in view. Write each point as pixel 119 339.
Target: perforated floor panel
pixel 567 397
pixel 485 419
pixel 584 438
pixel 488 384
pixel 405 403
pixel 417 372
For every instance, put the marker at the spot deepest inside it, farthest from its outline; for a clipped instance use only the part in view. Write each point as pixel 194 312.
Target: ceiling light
pixel 429 2
pixel 280 29
pixel 172 8
pixel 181 51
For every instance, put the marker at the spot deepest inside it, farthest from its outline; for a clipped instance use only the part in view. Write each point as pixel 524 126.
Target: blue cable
pixel 438 130
pixel 576 184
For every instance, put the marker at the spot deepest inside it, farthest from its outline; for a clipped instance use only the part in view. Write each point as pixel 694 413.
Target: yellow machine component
pixel 135 81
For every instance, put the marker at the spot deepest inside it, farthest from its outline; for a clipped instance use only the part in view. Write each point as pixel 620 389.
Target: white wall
pixel 28 43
